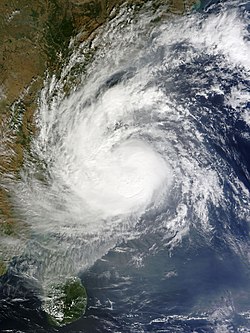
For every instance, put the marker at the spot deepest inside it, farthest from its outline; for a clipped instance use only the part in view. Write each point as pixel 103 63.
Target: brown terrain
pixel 34 35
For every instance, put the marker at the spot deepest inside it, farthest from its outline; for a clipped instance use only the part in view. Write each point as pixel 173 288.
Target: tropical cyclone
pixel 34 38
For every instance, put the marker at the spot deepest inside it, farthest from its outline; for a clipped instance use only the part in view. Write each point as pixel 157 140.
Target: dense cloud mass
pixel 144 162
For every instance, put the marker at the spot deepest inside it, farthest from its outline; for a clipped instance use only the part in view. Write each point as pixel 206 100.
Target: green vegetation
pixel 3 268
pixel 59 29
pixel 66 302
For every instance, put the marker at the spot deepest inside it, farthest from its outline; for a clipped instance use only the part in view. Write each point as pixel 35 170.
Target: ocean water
pixel 138 179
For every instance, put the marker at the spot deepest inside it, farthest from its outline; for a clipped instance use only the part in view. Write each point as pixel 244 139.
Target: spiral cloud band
pixel 130 146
